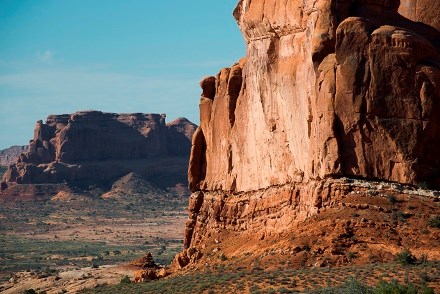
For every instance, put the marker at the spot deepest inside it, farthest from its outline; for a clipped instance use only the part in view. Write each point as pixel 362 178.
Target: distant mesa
pixel 94 147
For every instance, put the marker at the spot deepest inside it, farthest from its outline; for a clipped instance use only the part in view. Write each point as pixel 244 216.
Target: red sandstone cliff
pixel 323 93
pixel 328 89
pixel 96 147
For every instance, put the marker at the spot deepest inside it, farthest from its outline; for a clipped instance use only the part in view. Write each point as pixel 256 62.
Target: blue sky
pixel 60 56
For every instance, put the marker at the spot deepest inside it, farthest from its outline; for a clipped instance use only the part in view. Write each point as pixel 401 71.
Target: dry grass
pixel 223 279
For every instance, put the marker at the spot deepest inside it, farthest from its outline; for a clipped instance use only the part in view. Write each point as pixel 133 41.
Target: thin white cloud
pixel 54 89
pixel 89 81
pixel 27 95
pixel 46 56
pixel 216 64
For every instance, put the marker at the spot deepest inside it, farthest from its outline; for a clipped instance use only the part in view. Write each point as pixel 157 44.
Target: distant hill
pixel 9 155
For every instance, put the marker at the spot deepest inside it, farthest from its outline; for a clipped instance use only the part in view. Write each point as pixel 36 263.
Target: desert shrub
pixel 284 290
pixel 30 291
pixel 398 216
pixel 405 257
pixel 425 278
pixel 351 286
pixel 254 289
pixel 3 169
pixel 423 258
pixel 351 255
pixel 373 192
pixel 239 286
pixel 394 287
pixel 125 280
pixel 3 186
pixel 392 199
pixel 434 221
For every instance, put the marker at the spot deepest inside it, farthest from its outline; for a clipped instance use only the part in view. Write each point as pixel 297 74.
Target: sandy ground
pixel 120 232
pixel 71 281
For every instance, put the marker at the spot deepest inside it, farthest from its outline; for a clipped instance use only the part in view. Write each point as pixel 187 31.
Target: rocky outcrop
pixel 179 136
pixel 9 155
pixel 328 89
pixel 146 261
pixel 424 11
pixel 96 147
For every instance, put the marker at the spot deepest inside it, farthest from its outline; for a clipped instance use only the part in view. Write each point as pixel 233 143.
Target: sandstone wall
pixel 425 11
pixel 328 89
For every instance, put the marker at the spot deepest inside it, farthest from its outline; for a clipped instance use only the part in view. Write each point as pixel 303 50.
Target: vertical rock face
pixel 425 11
pixel 179 136
pixel 65 144
pixel 327 89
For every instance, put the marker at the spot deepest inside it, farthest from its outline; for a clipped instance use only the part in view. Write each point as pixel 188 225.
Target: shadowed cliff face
pixel 96 147
pixel 328 89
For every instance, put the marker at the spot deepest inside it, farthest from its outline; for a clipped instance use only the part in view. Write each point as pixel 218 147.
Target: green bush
pixel 392 199
pixel 3 169
pixel 223 257
pixel 434 221
pixel 405 257
pixel 351 255
pixel 394 287
pixel 353 286
pixel 125 280
pixel 3 185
